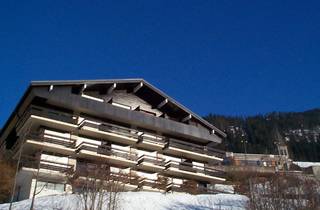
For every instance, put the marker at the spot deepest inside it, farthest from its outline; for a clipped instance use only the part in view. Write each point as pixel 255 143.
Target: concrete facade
pixel 65 130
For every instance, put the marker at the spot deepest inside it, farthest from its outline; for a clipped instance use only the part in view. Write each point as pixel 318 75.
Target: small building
pixel 261 163
pixel 312 168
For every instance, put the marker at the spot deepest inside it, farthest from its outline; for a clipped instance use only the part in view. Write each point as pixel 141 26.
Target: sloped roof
pixel 135 81
pixel 149 91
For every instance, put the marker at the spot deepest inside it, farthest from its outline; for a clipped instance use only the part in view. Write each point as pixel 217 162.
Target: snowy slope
pixel 306 164
pixel 143 201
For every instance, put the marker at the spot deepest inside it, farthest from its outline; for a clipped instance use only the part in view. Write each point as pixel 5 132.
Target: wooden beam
pixel 109 101
pixel 113 86
pixel 164 115
pixel 164 102
pixel 83 88
pixel 187 118
pixel 138 87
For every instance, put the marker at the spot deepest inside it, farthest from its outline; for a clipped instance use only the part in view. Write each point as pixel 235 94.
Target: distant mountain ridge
pixel 299 130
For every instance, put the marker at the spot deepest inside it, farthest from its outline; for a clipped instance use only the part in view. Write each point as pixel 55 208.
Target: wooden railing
pixel 32 162
pixel 49 138
pixel 107 127
pixel 192 189
pixel 157 184
pixel 184 166
pixel 155 139
pixel 106 150
pixel 49 113
pixel 125 178
pixel 103 172
pixel 195 148
pixel 151 159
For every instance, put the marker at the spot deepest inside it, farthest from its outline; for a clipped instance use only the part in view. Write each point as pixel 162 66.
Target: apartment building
pixel 63 129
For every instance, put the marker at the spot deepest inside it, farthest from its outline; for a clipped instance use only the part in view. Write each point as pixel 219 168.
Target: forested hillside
pixel 299 130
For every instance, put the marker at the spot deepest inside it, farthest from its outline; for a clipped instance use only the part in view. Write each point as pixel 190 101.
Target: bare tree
pixel 38 155
pixel 279 192
pixel 6 179
pixel 98 188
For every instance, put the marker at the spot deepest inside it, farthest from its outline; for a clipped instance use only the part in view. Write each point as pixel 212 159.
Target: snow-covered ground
pixel 223 188
pixel 142 201
pixel 306 164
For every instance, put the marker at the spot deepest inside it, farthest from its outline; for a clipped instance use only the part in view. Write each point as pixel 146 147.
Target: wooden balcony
pixel 151 163
pixel 47 168
pixel 151 141
pixel 193 151
pixel 51 143
pixel 113 156
pixel 47 117
pixel 190 171
pixel 109 132
pixel 151 185
pixel 86 171
pixel 128 181
pixel 192 188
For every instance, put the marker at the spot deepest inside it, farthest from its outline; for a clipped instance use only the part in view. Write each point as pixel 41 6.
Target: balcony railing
pixel 195 148
pixel 98 171
pixel 53 139
pixel 91 170
pixel 31 162
pixel 189 167
pixel 111 128
pixel 141 136
pixel 106 150
pixel 157 184
pixel 150 159
pixel 192 189
pixel 125 178
pixel 152 138
pixel 48 113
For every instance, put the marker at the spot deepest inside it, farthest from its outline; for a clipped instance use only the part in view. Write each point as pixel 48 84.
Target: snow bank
pixel 143 201
pixel 306 164
pixel 224 188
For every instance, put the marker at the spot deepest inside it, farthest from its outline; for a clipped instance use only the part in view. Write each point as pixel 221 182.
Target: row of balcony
pixel 124 135
pixel 155 142
pixel 127 158
pixel 129 181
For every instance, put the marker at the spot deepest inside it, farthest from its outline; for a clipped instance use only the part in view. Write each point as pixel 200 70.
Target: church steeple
pixel 280 143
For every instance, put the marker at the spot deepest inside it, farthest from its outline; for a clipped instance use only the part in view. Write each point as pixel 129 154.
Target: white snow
pixel 142 201
pixel 306 164
pixel 223 188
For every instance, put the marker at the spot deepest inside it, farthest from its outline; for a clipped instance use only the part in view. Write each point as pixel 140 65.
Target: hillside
pixel 142 201
pixel 300 130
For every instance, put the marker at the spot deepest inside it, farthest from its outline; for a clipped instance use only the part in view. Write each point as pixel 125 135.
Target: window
pixel 283 152
pixel 50 186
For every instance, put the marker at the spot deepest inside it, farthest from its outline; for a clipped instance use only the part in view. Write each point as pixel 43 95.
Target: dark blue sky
pixel 226 57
